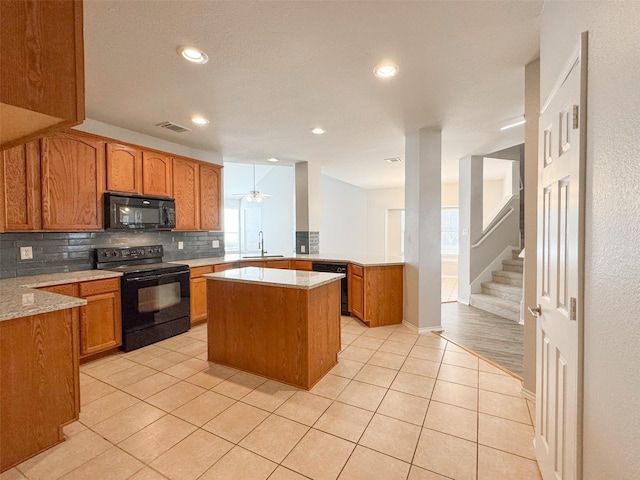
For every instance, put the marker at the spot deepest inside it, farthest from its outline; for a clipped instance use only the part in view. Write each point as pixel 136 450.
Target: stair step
pixel 497 306
pixel 507 278
pixel 515 252
pixel 513 265
pixel 502 290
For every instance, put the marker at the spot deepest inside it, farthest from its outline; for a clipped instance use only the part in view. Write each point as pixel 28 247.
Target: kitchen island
pixel 280 324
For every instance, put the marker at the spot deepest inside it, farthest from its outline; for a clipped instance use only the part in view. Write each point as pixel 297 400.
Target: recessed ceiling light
pixel 318 131
pixel 193 54
pixel 386 70
pixel 272 160
pixel 199 120
pixel 393 160
pixel 514 124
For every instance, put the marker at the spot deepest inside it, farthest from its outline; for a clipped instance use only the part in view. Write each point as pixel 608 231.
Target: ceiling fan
pixel 253 195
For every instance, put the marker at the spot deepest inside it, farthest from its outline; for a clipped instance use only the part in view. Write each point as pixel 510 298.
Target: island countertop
pixel 275 277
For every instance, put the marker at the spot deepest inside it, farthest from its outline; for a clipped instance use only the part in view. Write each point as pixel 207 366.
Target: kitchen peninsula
pixel 281 324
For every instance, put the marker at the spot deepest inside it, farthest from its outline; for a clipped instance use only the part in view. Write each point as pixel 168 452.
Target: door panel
pixel 560 277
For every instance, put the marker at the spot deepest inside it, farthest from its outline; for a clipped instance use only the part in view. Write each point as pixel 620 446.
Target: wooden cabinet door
pixel 356 294
pixel 124 169
pixel 41 68
pixel 198 293
pixel 73 181
pixel 20 196
pixel 100 323
pixel 198 300
pixel 186 191
pixel 210 201
pixel 156 174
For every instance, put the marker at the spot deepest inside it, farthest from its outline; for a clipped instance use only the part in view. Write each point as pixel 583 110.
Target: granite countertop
pixel 19 297
pixel 275 277
pixel 363 260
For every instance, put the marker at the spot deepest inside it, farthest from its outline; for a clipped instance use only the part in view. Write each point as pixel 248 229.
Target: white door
pixel 560 255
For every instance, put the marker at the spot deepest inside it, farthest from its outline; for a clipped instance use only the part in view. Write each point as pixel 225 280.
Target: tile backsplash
pixel 67 252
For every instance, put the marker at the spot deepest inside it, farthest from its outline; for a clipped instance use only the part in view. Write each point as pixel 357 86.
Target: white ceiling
pixel 276 69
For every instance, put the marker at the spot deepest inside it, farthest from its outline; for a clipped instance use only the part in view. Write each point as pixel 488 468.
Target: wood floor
pixel 495 338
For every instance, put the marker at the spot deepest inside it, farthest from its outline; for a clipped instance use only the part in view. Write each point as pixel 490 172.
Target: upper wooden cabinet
pixel 186 191
pixel 73 182
pixel 20 197
pixel 210 203
pixel 124 169
pixel 41 68
pixel 156 174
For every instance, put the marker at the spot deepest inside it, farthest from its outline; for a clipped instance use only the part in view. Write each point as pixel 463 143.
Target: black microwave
pixel 127 212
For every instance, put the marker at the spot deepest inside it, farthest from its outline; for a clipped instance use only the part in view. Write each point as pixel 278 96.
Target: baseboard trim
pixel 528 394
pixel 411 326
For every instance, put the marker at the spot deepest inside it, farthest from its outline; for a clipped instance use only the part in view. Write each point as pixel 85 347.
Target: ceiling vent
pixel 393 160
pixel 173 126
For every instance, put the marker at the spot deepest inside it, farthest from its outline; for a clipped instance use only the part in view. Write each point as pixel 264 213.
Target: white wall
pixel 343 226
pixel 378 202
pixel 611 422
pixel 492 195
pixel 278 211
pixel 450 194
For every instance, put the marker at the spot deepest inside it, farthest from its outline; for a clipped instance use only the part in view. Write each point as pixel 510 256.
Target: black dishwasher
pixel 344 285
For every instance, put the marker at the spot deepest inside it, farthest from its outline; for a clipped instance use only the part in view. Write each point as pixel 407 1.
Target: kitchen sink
pixel 262 256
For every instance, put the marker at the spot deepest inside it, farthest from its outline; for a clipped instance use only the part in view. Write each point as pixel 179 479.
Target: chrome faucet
pixel 261 243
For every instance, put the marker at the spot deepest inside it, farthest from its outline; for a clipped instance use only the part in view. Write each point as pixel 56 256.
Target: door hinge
pixel 572 311
pixel 576 110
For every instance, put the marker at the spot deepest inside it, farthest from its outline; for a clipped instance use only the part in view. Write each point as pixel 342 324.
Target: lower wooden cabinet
pixel 100 318
pixel 376 294
pixel 40 383
pixel 198 293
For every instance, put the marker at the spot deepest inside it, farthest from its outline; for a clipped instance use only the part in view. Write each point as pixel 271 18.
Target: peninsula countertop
pixel 275 277
pixel 19 296
pixel 363 260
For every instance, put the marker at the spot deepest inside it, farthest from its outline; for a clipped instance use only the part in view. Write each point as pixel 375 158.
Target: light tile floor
pixel 397 406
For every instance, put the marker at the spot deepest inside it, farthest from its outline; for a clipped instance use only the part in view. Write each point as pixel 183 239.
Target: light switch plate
pixel 215 243
pixel 180 245
pixel 26 253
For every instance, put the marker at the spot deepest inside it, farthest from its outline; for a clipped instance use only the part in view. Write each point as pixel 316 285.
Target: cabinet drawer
pixel 357 270
pixel 284 264
pixel 221 267
pixel 196 272
pixel 99 286
pixel 301 265
pixel 69 289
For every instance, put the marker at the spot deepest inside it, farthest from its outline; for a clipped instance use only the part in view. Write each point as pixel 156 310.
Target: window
pixel 231 230
pixel 449 226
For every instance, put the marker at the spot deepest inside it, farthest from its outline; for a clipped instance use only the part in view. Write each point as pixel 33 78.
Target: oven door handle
pixel 156 277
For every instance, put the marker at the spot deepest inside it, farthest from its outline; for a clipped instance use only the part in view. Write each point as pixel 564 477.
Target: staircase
pixel 503 295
